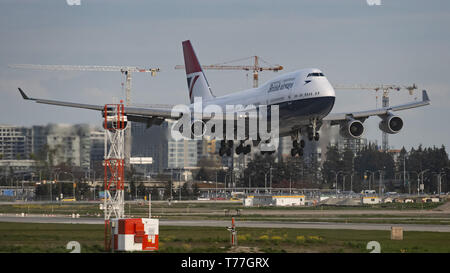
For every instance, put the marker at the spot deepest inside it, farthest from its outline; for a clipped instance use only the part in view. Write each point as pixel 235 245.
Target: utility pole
pixel 171 183
pixel 270 179
pixel 379 184
pixel 343 182
pixel 351 181
pixel 265 182
pixel 290 184
pixel 179 182
pixel 336 181
pixel 404 170
pixel 423 172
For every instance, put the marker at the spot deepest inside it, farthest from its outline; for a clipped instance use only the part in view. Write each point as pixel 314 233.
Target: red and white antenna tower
pixel 115 123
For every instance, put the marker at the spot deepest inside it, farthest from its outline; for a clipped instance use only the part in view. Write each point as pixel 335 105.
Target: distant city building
pixel 97 139
pixel 69 143
pixel 15 142
pixel 207 148
pixel 150 142
pixel 39 138
pixel 181 153
pixel 74 144
pixel 167 153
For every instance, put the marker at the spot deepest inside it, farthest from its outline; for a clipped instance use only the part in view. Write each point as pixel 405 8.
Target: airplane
pixel 305 99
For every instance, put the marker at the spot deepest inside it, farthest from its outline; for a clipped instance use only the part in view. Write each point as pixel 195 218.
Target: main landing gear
pixel 297 148
pixel 298 144
pixel 226 147
pixel 241 149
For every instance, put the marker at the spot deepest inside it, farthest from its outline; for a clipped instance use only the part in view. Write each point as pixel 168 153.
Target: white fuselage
pixel 301 95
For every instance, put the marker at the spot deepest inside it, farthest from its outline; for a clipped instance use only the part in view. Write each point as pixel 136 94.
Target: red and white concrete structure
pixel 139 234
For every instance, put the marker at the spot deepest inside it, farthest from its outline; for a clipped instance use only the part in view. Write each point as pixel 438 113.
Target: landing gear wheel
pixel 300 152
pixel 228 152
pixel 293 152
pixel 247 149
pixel 239 149
pixel 295 144
pixel 317 137
pixel 302 143
pixel 310 136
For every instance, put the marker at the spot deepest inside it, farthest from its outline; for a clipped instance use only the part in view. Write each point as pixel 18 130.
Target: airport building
pixel 16 166
pixel 274 200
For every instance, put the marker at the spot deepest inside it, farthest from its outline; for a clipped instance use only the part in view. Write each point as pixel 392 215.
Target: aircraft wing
pixel 336 118
pixel 137 114
pixel 149 115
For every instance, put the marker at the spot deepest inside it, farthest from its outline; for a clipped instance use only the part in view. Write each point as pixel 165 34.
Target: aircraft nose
pixel 327 89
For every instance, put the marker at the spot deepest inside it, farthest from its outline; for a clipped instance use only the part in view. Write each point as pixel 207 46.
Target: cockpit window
pixel 315 74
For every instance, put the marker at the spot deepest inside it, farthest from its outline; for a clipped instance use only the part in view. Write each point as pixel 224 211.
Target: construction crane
pixel 255 67
pixel 385 98
pixel 125 70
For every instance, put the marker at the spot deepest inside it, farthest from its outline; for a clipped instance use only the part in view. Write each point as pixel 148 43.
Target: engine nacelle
pixel 391 124
pixel 352 128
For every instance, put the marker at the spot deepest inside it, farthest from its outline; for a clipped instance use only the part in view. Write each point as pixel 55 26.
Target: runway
pixel 218 223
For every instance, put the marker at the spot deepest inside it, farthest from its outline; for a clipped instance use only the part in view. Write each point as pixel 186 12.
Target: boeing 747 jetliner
pixel 304 98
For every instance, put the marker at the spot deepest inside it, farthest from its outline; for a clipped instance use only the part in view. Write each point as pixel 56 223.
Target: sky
pixel 398 42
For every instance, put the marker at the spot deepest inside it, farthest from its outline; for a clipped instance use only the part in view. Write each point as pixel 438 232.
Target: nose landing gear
pixel 312 131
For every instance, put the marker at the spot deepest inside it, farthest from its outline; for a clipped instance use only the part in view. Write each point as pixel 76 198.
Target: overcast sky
pixel 399 42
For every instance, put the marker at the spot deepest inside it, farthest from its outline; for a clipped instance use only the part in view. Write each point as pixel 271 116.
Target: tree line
pixel 399 170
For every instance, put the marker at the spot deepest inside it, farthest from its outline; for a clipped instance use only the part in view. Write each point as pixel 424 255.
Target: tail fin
pixel 197 84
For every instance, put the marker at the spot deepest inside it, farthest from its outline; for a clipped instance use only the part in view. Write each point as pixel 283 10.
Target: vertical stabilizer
pixel 197 84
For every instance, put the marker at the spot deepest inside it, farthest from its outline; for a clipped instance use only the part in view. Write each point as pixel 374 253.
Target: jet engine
pixel 391 124
pixel 352 128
